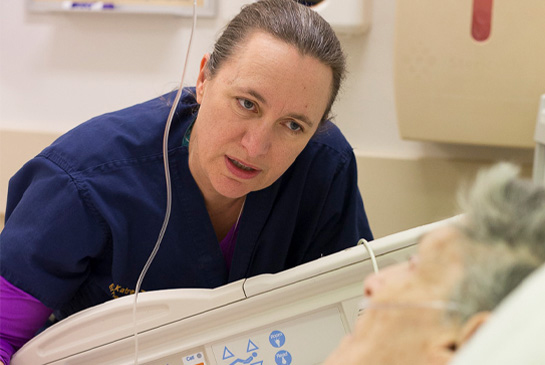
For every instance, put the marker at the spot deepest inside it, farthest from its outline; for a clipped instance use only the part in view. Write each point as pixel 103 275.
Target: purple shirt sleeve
pixel 21 315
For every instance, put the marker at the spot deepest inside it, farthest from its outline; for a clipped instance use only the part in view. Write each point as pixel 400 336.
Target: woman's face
pixel 256 115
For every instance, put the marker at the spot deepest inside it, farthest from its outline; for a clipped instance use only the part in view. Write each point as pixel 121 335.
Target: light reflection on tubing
pixel 433 304
pixel 366 304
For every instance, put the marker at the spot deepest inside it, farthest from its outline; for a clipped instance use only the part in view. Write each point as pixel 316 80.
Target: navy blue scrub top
pixel 83 216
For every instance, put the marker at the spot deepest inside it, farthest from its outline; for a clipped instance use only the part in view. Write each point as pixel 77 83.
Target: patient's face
pixel 405 322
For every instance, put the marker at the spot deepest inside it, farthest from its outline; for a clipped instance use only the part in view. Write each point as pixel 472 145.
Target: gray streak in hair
pixel 504 231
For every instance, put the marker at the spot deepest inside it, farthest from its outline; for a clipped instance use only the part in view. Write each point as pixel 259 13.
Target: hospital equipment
pixel 349 17
pixel 539 137
pixel 205 8
pixel 293 317
pixel 346 16
pixel 453 86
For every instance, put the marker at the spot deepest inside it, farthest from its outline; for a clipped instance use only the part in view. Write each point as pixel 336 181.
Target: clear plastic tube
pixel 364 242
pixel 168 187
pixel 433 304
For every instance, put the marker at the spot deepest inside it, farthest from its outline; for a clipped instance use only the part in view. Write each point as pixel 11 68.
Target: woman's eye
pixel 246 104
pixel 293 126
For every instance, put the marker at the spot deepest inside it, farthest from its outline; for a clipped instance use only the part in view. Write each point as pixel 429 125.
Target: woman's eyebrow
pixel 303 118
pixel 256 95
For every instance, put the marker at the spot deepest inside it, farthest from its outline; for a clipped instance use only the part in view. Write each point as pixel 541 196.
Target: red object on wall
pixel 482 19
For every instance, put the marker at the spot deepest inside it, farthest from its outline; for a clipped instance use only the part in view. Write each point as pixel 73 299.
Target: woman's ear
pixel 201 80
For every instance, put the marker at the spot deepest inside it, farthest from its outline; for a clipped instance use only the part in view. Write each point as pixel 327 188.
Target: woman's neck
pixel 224 213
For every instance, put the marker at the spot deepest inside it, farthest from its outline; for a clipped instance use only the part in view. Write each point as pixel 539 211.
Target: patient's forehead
pixel 442 246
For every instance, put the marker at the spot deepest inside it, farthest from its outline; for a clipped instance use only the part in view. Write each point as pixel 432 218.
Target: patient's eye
pixel 413 261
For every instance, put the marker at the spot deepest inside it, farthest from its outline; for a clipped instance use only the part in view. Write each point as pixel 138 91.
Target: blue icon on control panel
pixel 282 358
pixel 245 361
pixel 227 354
pixel 277 339
pixel 251 346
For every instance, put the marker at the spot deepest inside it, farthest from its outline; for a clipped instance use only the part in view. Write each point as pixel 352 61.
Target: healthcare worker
pixel 261 181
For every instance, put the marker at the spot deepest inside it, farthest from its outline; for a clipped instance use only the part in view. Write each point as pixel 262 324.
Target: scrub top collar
pixel 187 135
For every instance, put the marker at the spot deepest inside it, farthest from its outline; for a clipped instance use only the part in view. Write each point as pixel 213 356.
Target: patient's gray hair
pixel 504 227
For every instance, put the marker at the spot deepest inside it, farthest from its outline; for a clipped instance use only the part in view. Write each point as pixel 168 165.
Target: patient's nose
pixel 391 274
pixel 372 284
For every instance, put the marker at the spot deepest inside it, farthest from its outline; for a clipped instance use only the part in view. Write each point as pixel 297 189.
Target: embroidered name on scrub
pixel 118 291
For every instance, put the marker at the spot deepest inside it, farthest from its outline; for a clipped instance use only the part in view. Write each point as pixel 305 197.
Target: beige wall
pixel 398 193
pixel 17 147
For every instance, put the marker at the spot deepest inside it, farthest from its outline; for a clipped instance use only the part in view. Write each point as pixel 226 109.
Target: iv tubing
pixel 364 242
pixel 168 187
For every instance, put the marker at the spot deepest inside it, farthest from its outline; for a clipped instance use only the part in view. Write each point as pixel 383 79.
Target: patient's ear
pixel 446 345
pixel 442 349
pixel 471 326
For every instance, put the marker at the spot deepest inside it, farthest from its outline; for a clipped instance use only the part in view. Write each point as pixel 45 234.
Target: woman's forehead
pixel 277 71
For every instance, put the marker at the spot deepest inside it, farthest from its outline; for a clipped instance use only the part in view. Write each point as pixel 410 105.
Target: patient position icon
pixel 245 361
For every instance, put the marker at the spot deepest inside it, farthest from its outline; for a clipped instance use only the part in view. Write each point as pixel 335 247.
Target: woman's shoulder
pixel 330 141
pixel 130 133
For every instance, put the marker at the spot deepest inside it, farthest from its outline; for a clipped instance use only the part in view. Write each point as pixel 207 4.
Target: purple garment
pixel 227 245
pixel 21 315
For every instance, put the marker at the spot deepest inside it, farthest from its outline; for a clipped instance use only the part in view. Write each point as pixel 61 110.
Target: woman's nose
pixel 257 139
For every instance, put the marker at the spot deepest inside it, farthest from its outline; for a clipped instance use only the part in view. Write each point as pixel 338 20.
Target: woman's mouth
pixel 239 169
pixel 239 165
